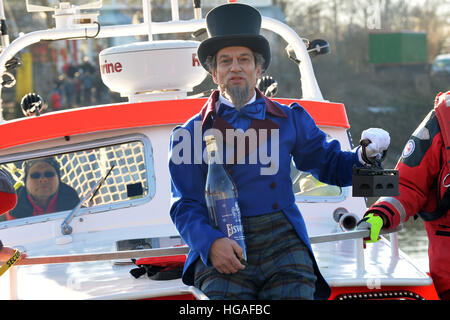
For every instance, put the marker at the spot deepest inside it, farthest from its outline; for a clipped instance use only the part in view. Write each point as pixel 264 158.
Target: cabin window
pixel 49 184
pixel 309 189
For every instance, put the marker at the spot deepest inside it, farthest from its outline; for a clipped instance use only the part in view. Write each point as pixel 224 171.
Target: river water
pixel 413 241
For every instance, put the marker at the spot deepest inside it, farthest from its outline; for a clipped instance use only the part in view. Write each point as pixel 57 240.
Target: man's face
pixel 236 71
pixel 42 180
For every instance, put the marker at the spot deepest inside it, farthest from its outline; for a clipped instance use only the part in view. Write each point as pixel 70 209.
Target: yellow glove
pixel 373 223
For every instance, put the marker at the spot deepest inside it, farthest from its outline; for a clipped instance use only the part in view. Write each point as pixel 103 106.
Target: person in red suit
pixel 424 181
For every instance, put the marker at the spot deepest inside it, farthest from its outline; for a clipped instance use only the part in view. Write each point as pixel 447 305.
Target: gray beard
pixel 239 96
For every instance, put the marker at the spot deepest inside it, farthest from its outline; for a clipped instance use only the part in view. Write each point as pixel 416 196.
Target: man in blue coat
pixel 280 262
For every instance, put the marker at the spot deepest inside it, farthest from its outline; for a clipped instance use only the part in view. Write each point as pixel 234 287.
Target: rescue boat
pixel 115 156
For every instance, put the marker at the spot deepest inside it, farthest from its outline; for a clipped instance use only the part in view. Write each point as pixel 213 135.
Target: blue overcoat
pixel 298 139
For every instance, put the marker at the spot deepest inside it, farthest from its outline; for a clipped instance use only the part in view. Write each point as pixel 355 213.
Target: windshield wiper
pixel 65 226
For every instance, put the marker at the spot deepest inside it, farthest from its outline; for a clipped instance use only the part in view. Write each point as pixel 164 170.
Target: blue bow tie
pixel 242 118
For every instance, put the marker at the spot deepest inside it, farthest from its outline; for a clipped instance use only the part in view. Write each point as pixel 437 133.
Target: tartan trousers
pixel 279 265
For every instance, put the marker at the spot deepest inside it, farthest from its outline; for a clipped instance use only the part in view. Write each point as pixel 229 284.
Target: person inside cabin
pixel 43 191
pixel 280 262
pixel 8 200
pixel 424 181
pixel 57 100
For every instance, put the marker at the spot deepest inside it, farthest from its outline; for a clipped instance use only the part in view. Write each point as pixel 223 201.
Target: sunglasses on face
pixel 46 174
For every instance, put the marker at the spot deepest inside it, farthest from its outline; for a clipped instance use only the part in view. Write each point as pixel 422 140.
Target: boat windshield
pixel 305 185
pixel 308 189
pixel 56 183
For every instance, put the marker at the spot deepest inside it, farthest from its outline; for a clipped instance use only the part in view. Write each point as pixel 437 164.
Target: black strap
pixel 146 269
pixel 137 272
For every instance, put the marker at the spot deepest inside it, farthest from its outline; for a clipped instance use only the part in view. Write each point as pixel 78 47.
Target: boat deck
pixel 341 262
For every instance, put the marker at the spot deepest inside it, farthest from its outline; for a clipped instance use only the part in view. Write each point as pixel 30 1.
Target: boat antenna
pixel 197 9
pixel 147 11
pixel 3 27
pixel 175 10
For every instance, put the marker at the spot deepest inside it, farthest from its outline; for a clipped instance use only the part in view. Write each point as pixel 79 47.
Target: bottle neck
pixel 212 156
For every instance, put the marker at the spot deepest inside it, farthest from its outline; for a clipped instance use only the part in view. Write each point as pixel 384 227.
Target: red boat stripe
pixel 129 115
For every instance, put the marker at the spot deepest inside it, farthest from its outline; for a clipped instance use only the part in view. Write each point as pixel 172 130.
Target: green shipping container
pixel 398 48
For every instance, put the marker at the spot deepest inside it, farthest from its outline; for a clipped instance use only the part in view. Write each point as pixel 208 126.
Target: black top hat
pixel 233 24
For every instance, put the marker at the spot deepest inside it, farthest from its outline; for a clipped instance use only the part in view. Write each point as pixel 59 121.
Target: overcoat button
pixel 275 206
pixel 273 185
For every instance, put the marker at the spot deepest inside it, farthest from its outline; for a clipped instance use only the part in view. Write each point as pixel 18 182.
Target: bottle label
pixel 229 219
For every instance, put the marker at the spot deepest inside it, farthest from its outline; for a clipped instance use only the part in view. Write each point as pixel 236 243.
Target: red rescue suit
pixel 424 179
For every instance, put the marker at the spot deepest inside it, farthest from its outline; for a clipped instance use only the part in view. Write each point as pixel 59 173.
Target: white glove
pixel 379 141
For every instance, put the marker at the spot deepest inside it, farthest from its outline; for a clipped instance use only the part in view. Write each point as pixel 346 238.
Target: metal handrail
pixel 356 234
pixel 128 254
